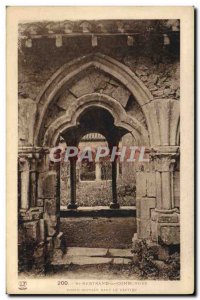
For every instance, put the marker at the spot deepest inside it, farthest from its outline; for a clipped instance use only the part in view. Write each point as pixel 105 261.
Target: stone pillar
pixel 72 204
pixel 117 170
pixel 33 182
pixel 145 198
pixel 114 203
pixel 98 171
pixel 165 226
pixel 164 168
pixel 57 166
pixel 24 171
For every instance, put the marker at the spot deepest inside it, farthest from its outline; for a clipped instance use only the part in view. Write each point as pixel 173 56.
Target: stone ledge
pixel 99 211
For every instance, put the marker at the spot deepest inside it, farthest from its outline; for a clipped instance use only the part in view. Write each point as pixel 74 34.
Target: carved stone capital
pixel 164 162
pixel 31 157
pixel 33 161
pixel 23 163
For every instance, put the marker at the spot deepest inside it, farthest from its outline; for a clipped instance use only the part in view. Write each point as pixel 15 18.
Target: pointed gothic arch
pixel 70 70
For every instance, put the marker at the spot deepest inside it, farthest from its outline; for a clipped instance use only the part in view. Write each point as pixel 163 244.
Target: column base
pixel 165 227
pixel 72 206
pixel 114 205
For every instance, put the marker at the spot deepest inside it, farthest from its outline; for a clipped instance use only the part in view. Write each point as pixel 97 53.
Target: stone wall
pixel 156 64
pixel 103 232
pixel 158 67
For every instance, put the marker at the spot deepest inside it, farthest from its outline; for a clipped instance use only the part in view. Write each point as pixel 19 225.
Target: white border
pixel 2 92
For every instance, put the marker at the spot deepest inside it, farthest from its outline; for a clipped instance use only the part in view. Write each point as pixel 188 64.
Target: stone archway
pixel 102 63
pixel 154 123
pixel 71 129
pixel 121 118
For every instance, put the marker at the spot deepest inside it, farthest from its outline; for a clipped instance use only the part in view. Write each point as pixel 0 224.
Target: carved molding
pixel 121 118
pixel 39 29
pixel 106 64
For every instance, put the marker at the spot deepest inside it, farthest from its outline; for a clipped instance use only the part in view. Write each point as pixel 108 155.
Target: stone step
pixel 92 256
pixel 84 251
pixel 98 211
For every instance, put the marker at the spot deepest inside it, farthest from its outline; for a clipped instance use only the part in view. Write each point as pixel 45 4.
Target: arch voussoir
pixel 69 71
pixel 121 118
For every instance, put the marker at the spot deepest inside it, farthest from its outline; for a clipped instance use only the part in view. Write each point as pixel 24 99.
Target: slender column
pixel 57 165
pixel 166 191
pixel 114 203
pixel 42 229
pixel 117 170
pixel 164 166
pixel 158 190
pixel 72 204
pixel 19 186
pixel 98 171
pixel 24 164
pixel 33 183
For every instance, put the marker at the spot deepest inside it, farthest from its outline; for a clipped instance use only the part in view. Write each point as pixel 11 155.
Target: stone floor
pixel 82 256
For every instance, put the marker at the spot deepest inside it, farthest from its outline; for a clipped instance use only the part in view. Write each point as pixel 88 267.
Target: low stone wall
pixel 103 232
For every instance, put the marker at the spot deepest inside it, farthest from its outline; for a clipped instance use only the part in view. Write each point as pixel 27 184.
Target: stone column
pixel 33 182
pixel 57 166
pixel 24 171
pixel 165 218
pixel 117 170
pixel 72 204
pixel 114 203
pixel 98 171
pixel 164 168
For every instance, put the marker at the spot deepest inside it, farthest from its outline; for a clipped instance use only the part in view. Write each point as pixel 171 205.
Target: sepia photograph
pixel 98 144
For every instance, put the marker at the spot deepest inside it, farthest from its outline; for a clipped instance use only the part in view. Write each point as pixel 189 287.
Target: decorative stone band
pixel 30 152
pixel 101 27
